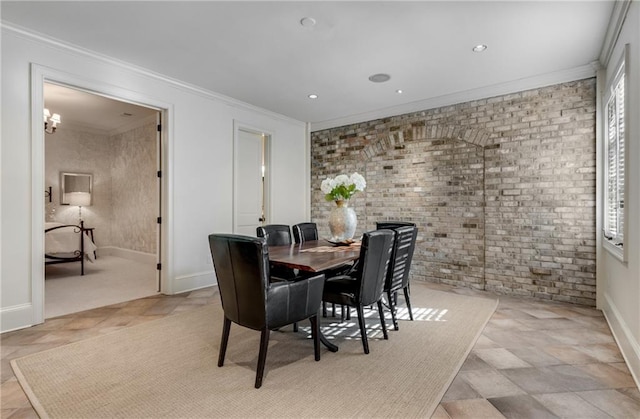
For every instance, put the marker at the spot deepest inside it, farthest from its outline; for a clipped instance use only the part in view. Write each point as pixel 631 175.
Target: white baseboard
pixel 16 317
pixel 134 255
pixel 624 338
pixel 194 281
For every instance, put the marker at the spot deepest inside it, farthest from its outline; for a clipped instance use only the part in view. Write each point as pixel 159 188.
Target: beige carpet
pixel 108 280
pixel 167 367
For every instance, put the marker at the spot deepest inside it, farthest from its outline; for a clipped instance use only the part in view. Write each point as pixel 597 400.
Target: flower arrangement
pixel 342 187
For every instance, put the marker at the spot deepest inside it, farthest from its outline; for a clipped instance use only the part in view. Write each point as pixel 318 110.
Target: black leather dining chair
pixel 303 232
pixel 392 225
pixel 398 273
pixel 365 285
pixel 277 235
pixel 251 300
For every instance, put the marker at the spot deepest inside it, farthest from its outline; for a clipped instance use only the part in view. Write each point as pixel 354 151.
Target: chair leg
pixel 295 327
pixel 324 309
pixel 392 307
pixel 408 301
pixel 226 327
pixel 315 334
pixel 363 329
pixel 262 356
pixel 383 323
pixel 345 313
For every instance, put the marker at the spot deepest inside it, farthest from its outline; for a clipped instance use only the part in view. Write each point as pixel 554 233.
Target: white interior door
pixel 249 182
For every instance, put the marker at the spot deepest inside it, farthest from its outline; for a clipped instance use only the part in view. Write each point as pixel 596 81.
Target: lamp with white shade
pixel 80 199
pixel 51 121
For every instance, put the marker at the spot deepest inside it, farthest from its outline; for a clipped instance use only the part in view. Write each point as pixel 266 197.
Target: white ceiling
pixel 259 53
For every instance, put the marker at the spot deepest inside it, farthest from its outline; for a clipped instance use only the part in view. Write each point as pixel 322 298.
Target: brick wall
pixel 502 189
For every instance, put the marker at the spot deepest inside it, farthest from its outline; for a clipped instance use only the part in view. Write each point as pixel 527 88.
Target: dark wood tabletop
pixel 314 256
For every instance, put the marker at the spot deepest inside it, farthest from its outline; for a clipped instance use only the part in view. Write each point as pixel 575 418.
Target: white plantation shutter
pixel 614 207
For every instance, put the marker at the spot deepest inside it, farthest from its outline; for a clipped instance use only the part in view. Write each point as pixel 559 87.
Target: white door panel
pixel 248 184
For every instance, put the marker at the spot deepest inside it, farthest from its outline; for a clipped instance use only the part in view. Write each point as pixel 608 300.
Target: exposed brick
pixel 502 189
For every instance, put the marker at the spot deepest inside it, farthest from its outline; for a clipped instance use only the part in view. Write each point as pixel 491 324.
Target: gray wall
pixel 125 191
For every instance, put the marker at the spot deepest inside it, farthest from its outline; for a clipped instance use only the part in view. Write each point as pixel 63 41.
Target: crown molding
pixel 618 15
pixel 190 88
pixel 577 73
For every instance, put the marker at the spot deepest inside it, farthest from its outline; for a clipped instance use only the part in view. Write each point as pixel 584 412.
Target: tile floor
pixel 534 359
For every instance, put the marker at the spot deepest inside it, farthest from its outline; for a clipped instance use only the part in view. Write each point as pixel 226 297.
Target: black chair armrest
pixel 292 301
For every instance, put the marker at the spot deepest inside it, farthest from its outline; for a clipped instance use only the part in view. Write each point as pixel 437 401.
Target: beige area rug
pixel 168 367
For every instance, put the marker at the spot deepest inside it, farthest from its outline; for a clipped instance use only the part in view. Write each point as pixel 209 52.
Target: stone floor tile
pixel 513 313
pixel 83 323
pixel 485 342
pixel 509 324
pixel 506 339
pixel 440 413
pixel 12 395
pixel 501 358
pixel 460 390
pixel 535 356
pixel 471 409
pixel 473 362
pixel 632 392
pixel 609 375
pixel 569 354
pixel 117 320
pixel 549 324
pixel 536 380
pixel 490 383
pixel 22 337
pixel 579 336
pixel 586 311
pixel 524 406
pixel 538 339
pixel 573 378
pixel 613 403
pixel 595 323
pixel 24 413
pixel 570 405
pixel 603 352
pixel 163 307
pixel 542 314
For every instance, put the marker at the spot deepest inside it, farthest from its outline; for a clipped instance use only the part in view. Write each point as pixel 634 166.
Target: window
pixel 614 212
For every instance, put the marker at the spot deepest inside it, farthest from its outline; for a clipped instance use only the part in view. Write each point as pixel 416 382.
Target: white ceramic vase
pixel 342 222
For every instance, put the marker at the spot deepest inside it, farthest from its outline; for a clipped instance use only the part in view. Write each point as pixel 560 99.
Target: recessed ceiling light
pixel 479 48
pixel 399 91
pixel 308 22
pixel 313 96
pixel 379 78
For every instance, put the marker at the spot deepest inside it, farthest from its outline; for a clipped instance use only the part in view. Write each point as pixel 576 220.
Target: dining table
pixel 315 256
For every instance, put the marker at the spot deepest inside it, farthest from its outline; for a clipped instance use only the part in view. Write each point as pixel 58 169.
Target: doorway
pixel 119 144
pixel 251 179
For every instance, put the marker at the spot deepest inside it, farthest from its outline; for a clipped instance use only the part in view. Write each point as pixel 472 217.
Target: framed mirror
pixel 75 184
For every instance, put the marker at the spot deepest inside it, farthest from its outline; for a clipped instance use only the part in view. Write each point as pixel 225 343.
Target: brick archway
pixel 398 138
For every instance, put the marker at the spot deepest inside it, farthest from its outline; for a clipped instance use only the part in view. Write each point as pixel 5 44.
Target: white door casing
pixel 40 75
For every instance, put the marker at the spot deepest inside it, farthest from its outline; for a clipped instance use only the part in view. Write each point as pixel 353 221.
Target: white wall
pixel 619 282
pixel 197 173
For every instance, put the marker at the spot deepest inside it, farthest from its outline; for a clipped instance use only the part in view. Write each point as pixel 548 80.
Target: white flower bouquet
pixel 342 187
